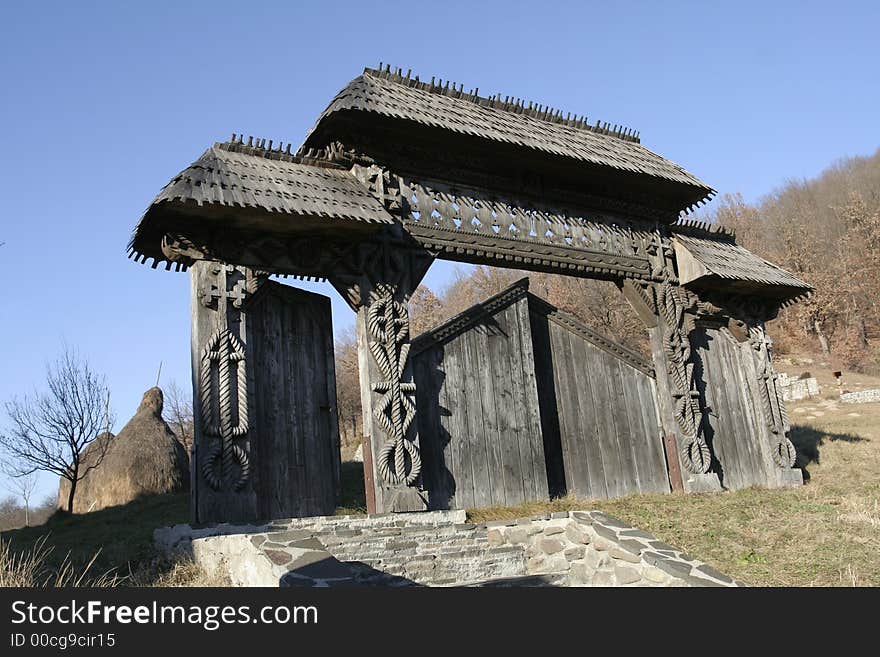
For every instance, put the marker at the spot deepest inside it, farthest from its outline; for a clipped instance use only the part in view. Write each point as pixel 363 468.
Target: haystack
pixel 145 458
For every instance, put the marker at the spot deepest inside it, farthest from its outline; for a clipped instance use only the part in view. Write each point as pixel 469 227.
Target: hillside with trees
pixel 827 231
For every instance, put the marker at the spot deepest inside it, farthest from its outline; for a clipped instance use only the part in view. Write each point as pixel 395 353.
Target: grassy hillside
pixel 826 533
pixel 122 536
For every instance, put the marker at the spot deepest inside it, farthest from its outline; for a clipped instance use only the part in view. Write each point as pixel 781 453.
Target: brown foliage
pixel 827 231
pixel 348 393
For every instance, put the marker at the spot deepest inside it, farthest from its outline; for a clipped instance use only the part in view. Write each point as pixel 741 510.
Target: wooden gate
pixel 267 442
pixel 479 419
pixel 601 430
pixel 295 380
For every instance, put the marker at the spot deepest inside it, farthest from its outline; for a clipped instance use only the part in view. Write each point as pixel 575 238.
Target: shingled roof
pixel 702 261
pixel 532 127
pixel 272 188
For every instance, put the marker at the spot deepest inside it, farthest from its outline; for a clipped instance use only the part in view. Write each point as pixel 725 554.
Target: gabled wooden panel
pixel 599 417
pixel 479 421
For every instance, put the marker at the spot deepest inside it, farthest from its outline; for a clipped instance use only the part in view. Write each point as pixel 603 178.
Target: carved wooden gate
pixel 479 419
pixel 599 415
pixel 399 172
pixel 267 442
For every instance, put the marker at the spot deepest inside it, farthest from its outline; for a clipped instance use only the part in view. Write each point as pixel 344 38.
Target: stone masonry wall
pixel 595 549
pixel 440 548
pixel 861 397
pixel 797 389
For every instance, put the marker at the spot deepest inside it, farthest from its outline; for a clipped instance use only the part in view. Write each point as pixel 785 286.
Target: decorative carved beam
pixel 317 256
pixel 473 225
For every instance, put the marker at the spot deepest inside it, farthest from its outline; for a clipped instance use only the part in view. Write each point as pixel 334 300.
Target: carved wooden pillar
pixel 390 271
pixel 664 307
pixel 264 398
pixel 221 483
pixel 772 407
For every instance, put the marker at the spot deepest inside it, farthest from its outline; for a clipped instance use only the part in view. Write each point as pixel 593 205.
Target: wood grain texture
pixel 292 442
pixel 482 429
pixel 738 439
pixel 605 414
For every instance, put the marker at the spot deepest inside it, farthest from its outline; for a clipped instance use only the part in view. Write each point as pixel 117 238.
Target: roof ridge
pixel 509 104
pixel 698 228
pixel 259 147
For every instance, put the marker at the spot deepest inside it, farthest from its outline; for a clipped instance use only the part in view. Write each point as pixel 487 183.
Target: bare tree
pixel 179 412
pixel 50 430
pixel 22 485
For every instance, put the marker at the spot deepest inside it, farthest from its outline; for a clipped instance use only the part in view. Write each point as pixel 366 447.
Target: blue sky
pixel 104 102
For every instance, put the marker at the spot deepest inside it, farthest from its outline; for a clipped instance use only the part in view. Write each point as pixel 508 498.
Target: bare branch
pixel 50 430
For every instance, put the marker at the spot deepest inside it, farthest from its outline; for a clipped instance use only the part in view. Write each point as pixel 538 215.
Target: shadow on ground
pixel 808 440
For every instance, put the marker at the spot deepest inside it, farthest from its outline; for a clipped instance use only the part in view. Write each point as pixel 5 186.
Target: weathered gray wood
pixel 510 466
pixel 604 402
pixel 532 407
pixel 296 420
pixel 488 421
pixel 495 482
pixel 654 475
pixel 609 437
pixel 472 425
pixel 548 398
pixel 621 411
pixel 475 443
pixel 282 460
pixel 738 438
pixel 586 460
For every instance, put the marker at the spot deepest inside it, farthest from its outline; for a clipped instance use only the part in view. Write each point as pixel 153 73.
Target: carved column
pixel 221 476
pixel 772 407
pixel 383 278
pixel 665 308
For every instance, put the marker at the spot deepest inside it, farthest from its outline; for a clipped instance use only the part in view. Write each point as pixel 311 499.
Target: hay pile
pixel 144 459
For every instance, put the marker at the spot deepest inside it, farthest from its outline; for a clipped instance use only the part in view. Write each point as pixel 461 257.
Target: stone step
pixel 447 568
pixel 556 579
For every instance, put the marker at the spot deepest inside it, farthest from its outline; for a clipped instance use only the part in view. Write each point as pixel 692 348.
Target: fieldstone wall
pixel 594 549
pixel 440 548
pixel 861 397
pixel 797 389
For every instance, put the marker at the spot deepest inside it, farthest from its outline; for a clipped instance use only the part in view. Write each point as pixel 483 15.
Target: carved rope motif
pixel 695 453
pixel 222 377
pixel 772 405
pixel 221 353
pixel 388 325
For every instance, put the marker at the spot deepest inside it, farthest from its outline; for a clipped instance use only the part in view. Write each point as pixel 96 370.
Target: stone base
pixel 439 548
pixel 701 483
pixel 791 477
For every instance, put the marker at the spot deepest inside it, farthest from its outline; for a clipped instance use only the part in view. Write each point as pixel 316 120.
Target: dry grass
pixel 826 533
pixel 183 572
pixel 34 567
